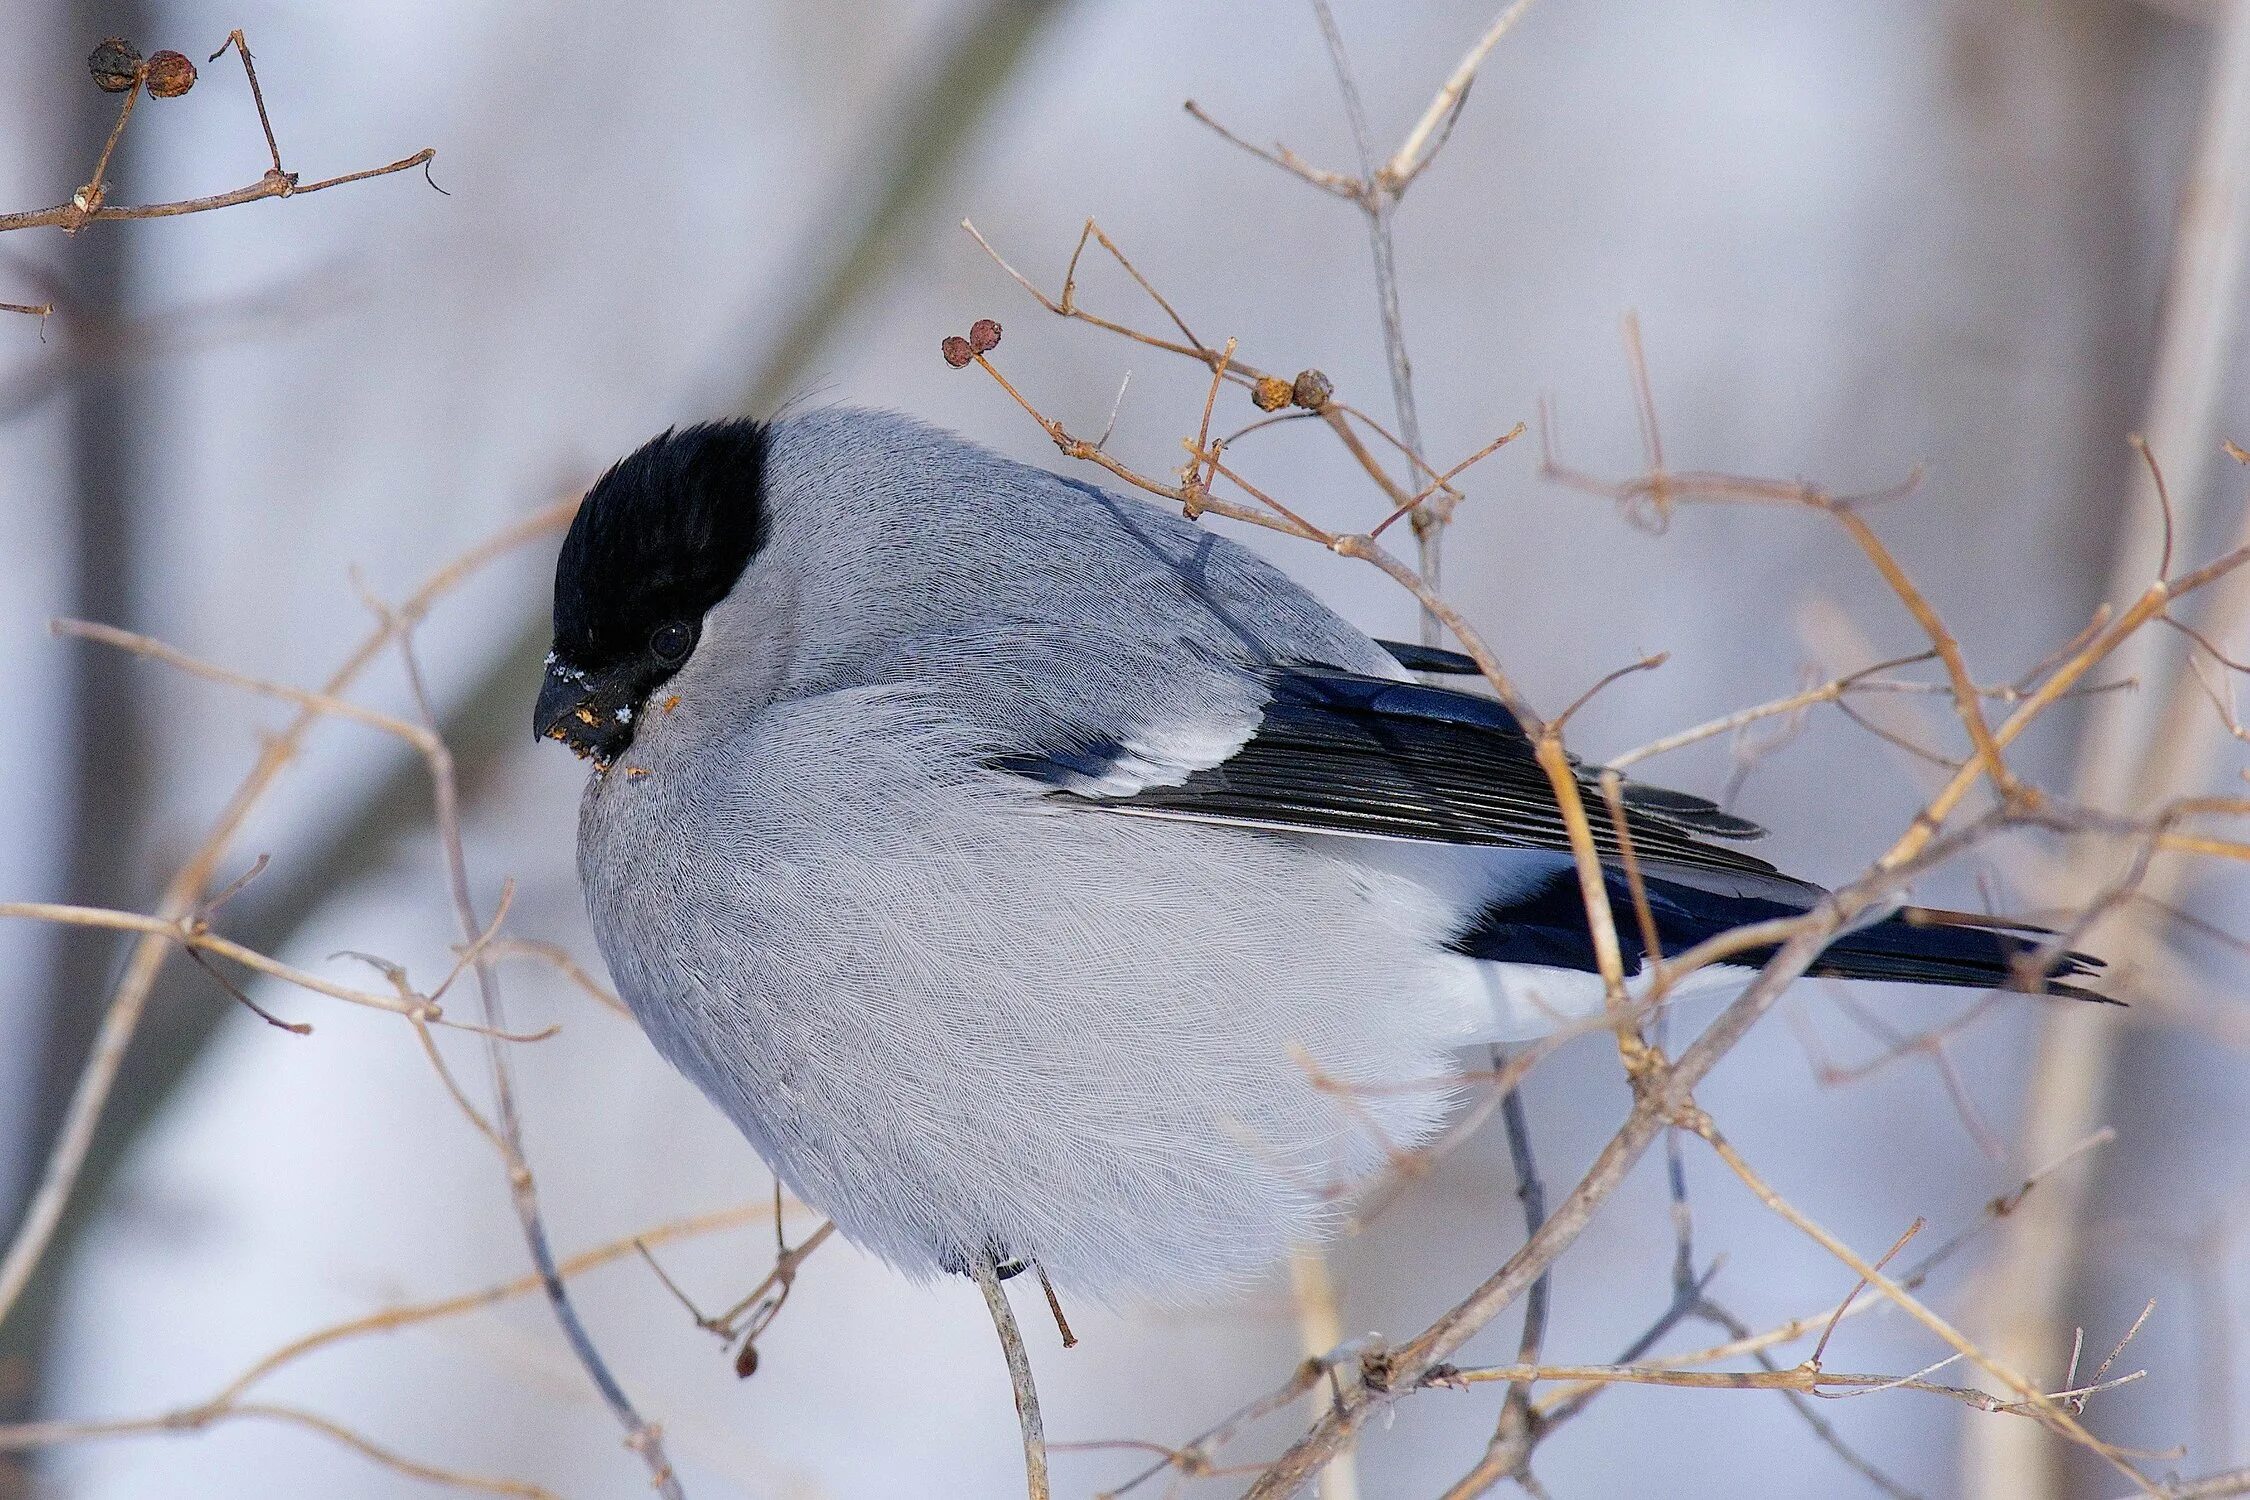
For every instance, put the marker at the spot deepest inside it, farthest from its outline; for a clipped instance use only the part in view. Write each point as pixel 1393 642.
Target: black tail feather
pixel 1922 946
pixel 1547 925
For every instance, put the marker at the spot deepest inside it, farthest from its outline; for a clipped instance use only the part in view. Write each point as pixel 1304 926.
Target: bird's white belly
pixel 1145 1055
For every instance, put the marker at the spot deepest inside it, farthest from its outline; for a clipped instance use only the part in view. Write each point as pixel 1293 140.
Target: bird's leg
pixel 985 1267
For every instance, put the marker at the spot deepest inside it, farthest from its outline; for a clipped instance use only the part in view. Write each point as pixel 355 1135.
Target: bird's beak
pixel 591 715
pixel 563 691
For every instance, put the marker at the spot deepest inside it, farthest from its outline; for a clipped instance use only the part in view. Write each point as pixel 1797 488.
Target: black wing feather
pixel 1689 812
pixel 1337 752
pixel 1435 660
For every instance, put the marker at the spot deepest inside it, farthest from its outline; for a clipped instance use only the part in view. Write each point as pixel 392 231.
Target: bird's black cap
pixel 659 539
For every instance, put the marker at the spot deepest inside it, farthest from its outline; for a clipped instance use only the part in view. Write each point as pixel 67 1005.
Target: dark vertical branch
pixel 102 736
pixel 1515 1413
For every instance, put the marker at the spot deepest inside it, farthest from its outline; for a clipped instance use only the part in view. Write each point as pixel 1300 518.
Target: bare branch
pixel 1430 132
pixel 641 1435
pixel 986 1270
pixel 185 893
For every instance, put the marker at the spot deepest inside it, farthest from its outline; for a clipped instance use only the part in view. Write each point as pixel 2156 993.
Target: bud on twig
pixel 169 75
pixel 115 64
pixel 1270 394
pixel 1312 390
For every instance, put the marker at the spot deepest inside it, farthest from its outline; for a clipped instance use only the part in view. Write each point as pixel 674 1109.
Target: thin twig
pixel 1916 1276
pixel 1055 1307
pixel 782 1275
pixel 1520 1427
pixel 1428 137
pixel 227 1402
pixel 185 892
pixel 1806 1379
pixel 2027 1397
pixel 641 1435
pixel 985 1269
pixel 185 934
pixel 88 198
pixel 1859 1286
pixel 1320 1328
pixel 68 215
pixel 241 45
pixel 1377 190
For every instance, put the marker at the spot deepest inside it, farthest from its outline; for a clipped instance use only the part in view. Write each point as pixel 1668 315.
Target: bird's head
pixel 659 540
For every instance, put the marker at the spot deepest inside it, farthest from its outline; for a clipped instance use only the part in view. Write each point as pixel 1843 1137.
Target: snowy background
pixel 1860 238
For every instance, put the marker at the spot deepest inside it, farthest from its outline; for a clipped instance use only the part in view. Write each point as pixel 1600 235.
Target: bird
pixel 1038 878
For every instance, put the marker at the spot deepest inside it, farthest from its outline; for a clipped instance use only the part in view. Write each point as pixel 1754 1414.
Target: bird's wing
pixel 1435 660
pixel 1697 814
pixel 1335 752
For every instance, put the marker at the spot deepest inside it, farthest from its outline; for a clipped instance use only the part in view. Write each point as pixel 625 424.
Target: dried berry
pixel 746 1363
pixel 956 350
pixel 984 335
pixel 1312 390
pixel 1271 393
pixel 169 75
pixel 115 64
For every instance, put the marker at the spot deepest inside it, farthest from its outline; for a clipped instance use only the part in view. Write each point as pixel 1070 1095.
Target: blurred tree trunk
pixel 102 732
pixel 2158 376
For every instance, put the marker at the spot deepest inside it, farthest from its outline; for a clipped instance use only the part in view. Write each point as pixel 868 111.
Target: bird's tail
pixel 1545 924
pixel 1927 945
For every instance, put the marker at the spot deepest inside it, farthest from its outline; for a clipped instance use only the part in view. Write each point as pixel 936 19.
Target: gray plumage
pixel 860 871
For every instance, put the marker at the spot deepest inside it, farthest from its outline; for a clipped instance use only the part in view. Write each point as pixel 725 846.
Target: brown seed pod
pixel 956 350
pixel 115 64
pixel 1270 393
pixel 1312 390
pixel 984 335
pixel 169 75
pixel 746 1362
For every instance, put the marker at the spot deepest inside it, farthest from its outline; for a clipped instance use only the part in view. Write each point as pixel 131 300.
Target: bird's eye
pixel 672 642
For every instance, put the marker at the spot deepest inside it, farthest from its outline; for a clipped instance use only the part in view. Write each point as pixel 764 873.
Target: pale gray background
pixel 1860 238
